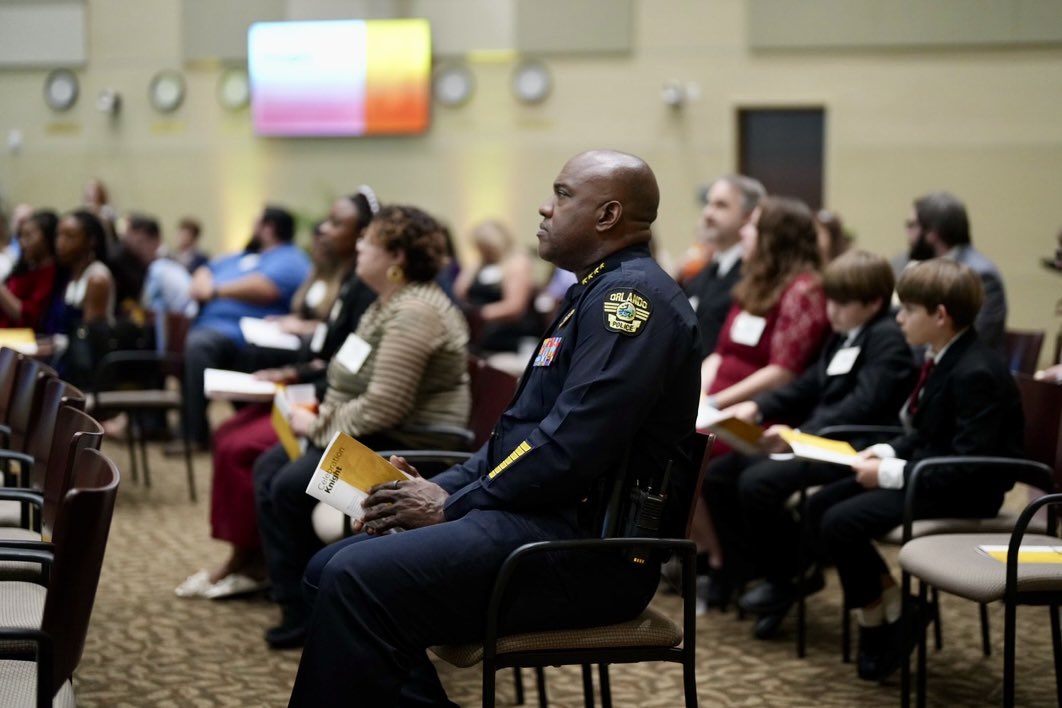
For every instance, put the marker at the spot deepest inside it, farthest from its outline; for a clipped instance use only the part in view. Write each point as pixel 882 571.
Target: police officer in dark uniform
pixel 613 386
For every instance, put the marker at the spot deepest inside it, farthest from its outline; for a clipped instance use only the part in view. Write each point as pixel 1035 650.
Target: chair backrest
pixel 80 540
pixel 491 390
pixel 9 359
pixel 74 431
pixel 1041 403
pixel 25 401
pixel 1022 349
pixel 39 446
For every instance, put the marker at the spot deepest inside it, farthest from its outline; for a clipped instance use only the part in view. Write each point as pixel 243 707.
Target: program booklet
pixel 268 334
pixel 346 473
pixel 743 437
pixel 818 449
pixel 1026 554
pixel 286 399
pixel 226 385
pixel 22 339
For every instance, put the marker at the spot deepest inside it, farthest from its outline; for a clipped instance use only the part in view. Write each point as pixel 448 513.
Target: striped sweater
pixel 416 372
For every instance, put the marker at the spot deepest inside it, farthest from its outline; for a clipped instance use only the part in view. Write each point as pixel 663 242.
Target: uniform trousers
pixel 379 602
pixel 772 534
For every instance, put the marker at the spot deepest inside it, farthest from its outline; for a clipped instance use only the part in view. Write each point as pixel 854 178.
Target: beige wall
pixel 982 123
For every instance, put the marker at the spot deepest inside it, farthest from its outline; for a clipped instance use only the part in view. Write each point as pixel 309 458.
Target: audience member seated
pixel 500 290
pixel 415 373
pixel 187 252
pixel 938 227
pixel 242 438
pixel 9 248
pixel 81 248
pixel 96 199
pixel 27 294
pixel 833 241
pixel 964 403
pixel 774 331
pixel 862 377
pixel 167 285
pixel 728 206
pixel 605 386
pixel 256 282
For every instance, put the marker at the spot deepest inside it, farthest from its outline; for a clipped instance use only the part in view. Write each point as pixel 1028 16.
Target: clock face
pixel 60 89
pixel 166 91
pixel 531 82
pixel 453 84
pixel 234 91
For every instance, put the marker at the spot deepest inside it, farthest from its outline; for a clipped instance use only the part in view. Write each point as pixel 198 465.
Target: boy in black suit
pixel 964 403
pixel 861 377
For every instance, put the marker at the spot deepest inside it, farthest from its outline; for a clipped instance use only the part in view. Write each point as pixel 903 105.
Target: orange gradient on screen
pixel 397 77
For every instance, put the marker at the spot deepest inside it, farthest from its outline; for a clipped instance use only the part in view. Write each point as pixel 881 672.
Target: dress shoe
pixel 771 597
pixel 195 585
pixel 767 625
pixel 291 632
pixel 882 649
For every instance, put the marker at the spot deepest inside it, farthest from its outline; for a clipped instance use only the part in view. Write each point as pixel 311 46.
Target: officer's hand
pixel 409 504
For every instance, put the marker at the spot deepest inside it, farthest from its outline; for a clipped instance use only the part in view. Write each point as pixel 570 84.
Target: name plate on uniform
pixel 842 361
pixel 747 329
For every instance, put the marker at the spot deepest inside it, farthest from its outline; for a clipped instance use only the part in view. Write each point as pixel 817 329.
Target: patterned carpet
pixel 147 647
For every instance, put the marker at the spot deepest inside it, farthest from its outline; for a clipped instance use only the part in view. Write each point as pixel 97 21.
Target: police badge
pixel 626 311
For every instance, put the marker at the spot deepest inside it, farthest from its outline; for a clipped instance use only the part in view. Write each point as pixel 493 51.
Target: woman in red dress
pixel 773 332
pixel 30 288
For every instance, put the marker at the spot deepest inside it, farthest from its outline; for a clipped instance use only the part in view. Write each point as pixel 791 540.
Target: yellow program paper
pixel 1026 554
pixel 346 473
pixel 813 447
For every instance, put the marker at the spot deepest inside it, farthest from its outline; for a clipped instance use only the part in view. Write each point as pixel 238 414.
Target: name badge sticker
pixel 353 353
pixel 842 361
pixel 249 262
pixel 747 329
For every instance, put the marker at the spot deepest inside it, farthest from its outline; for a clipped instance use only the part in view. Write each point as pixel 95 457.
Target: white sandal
pixel 194 585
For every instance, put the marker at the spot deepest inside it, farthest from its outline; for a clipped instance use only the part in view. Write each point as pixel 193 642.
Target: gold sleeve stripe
pixel 513 457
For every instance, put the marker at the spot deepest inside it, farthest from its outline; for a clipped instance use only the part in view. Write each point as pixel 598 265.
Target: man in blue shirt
pixel 256 282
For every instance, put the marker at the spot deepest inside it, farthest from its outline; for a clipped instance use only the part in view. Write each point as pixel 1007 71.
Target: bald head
pixel 603 201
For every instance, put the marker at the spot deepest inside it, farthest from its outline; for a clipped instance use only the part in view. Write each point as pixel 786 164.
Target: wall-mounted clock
pixel 166 91
pixel 60 89
pixel 531 82
pixel 453 84
pixel 234 90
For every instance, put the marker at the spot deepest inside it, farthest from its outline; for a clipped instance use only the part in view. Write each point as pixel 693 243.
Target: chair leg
pixel 540 681
pixel 846 634
pixel 689 682
pixel 518 684
pixel 1056 651
pixel 488 686
pixel 141 438
pixel 129 441
pixel 606 685
pixel 906 627
pixel 922 607
pixel 986 642
pixel 191 475
pixel 802 628
pixel 938 634
pixel 588 686
pixel 1009 632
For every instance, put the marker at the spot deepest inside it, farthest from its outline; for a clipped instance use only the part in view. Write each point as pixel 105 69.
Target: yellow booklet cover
pixel 813 447
pixel 346 473
pixel 21 339
pixel 1026 554
pixel 743 437
pixel 284 401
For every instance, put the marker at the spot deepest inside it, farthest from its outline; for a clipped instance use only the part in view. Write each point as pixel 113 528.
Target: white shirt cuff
pixel 883 451
pixel 890 472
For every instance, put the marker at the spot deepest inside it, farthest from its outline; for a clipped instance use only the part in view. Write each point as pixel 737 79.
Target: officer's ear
pixel 608 215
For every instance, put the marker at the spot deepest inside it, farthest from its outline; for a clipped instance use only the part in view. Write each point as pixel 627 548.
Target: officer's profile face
pixel 566 235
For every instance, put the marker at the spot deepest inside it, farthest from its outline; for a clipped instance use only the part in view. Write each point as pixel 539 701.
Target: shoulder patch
pixel 626 310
